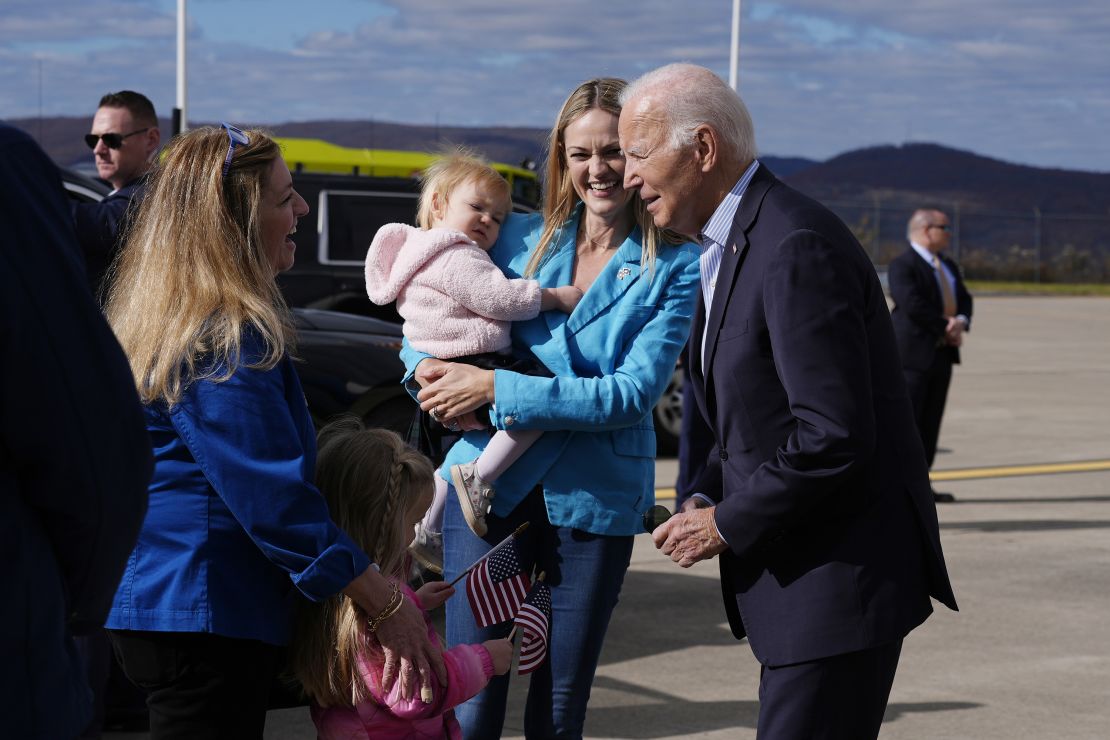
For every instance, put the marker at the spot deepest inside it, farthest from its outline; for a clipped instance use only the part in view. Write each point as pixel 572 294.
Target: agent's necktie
pixel 946 293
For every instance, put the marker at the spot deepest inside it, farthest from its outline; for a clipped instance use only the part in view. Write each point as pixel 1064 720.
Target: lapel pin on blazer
pixel 734 249
pixel 623 273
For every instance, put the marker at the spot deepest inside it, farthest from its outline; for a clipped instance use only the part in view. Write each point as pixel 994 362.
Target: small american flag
pixel 534 618
pixel 497 586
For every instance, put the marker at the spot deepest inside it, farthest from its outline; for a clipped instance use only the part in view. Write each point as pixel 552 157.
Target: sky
pixel 1017 80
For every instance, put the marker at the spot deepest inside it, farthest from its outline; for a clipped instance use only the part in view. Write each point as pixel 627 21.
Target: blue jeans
pixel 585 572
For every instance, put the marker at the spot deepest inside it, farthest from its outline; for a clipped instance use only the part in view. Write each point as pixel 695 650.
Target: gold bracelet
pixel 390 609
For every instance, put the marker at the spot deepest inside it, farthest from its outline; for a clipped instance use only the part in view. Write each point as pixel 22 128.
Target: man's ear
pixel 153 141
pixel 707 147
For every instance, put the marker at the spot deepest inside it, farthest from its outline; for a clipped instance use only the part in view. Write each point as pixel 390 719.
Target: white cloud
pixel 1013 79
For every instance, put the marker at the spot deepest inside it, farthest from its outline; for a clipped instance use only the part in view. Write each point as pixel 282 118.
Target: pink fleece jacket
pixel 453 299
pixel 469 669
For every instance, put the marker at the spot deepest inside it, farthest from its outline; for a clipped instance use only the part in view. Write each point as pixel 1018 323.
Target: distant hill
pixel 937 172
pixel 1006 214
pixel 1012 221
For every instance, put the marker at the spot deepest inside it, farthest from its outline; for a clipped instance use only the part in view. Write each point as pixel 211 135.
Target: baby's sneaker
pixel 475 495
pixel 427 549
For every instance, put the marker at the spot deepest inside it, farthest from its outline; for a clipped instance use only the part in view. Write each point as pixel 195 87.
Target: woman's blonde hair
pixel 371 479
pixel 560 199
pixel 453 168
pixel 193 274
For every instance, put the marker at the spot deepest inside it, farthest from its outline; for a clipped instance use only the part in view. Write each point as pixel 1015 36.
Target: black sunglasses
pixel 942 227
pixel 112 141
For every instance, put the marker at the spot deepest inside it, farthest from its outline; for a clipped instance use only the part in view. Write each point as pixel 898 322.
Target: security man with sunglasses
pixel 932 310
pixel 124 139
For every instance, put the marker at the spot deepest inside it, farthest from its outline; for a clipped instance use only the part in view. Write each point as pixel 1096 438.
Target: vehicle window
pixel 348 220
pixel 526 189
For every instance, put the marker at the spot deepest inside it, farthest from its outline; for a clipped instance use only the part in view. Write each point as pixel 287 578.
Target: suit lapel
pixel 693 359
pixel 732 260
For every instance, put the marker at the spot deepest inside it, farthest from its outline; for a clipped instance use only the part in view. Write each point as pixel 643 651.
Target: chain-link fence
pixel 992 244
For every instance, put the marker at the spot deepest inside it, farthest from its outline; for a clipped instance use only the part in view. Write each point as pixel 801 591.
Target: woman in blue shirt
pixel 235 527
pixel 586 483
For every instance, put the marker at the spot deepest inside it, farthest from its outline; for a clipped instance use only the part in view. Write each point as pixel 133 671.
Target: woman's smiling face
pixel 595 163
pixel 281 207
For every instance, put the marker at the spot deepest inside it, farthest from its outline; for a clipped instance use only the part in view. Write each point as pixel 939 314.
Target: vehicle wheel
pixel 395 414
pixel 668 417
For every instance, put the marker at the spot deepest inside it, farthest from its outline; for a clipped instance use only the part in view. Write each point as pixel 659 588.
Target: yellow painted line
pixel 1087 466
pixel 1005 471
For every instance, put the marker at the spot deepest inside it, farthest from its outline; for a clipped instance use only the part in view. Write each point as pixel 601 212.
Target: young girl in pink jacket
pixel 377 489
pixel 456 304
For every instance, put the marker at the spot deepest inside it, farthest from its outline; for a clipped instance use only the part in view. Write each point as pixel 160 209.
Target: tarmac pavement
pixel 1027 655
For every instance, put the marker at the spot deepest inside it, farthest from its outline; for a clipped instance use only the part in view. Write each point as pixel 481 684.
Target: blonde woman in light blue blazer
pixel 585 484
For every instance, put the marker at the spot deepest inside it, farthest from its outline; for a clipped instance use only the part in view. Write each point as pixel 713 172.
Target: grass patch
pixel 985 286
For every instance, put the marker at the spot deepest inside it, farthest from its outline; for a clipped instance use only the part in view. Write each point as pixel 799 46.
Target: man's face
pixel 937 234
pixel 668 179
pixel 121 166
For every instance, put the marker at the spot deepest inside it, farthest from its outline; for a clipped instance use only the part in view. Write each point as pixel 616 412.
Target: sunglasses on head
pixel 235 137
pixel 112 141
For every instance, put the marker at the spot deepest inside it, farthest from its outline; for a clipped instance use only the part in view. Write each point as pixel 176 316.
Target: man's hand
pixel 954 332
pixel 689 536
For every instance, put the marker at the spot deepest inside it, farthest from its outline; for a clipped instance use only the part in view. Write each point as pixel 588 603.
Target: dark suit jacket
pixel 918 313
pixel 75 457
pixel 100 225
pixel 823 492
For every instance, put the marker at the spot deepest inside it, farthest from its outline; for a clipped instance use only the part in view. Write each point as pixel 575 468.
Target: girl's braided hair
pixel 370 479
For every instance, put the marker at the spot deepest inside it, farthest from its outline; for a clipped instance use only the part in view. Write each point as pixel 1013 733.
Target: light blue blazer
pixel 612 358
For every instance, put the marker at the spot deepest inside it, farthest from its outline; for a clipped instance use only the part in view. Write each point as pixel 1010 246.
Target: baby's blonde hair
pixel 370 479
pixel 452 169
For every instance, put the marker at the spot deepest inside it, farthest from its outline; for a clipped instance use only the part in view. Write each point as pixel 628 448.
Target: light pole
pixel 734 53
pixel 180 119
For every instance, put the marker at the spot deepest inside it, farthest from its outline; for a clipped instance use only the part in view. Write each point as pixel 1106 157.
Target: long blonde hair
pixel 193 274
pixel 371 479
pixel 560 200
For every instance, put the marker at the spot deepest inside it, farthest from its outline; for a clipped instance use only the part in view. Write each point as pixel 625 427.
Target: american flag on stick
pixel 534 619
pixel 497 585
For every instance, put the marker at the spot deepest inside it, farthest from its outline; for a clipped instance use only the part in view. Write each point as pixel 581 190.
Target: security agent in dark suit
pixel 124 138
pixel 75 455
pixel 821 508
pixel 932 310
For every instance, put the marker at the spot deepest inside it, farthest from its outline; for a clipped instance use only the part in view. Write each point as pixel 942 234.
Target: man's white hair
pixel 687 96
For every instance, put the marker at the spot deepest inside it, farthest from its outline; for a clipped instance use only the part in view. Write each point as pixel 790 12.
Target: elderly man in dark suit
pixel 932 310
pixel 821 509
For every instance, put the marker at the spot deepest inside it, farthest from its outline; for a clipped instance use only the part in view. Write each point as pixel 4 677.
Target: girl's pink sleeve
pixel 469 669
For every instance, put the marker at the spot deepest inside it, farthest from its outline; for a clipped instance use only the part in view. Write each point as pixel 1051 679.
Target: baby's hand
pixel 433 594
pixel 563 298
pixel 501 653
pixel 569 296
